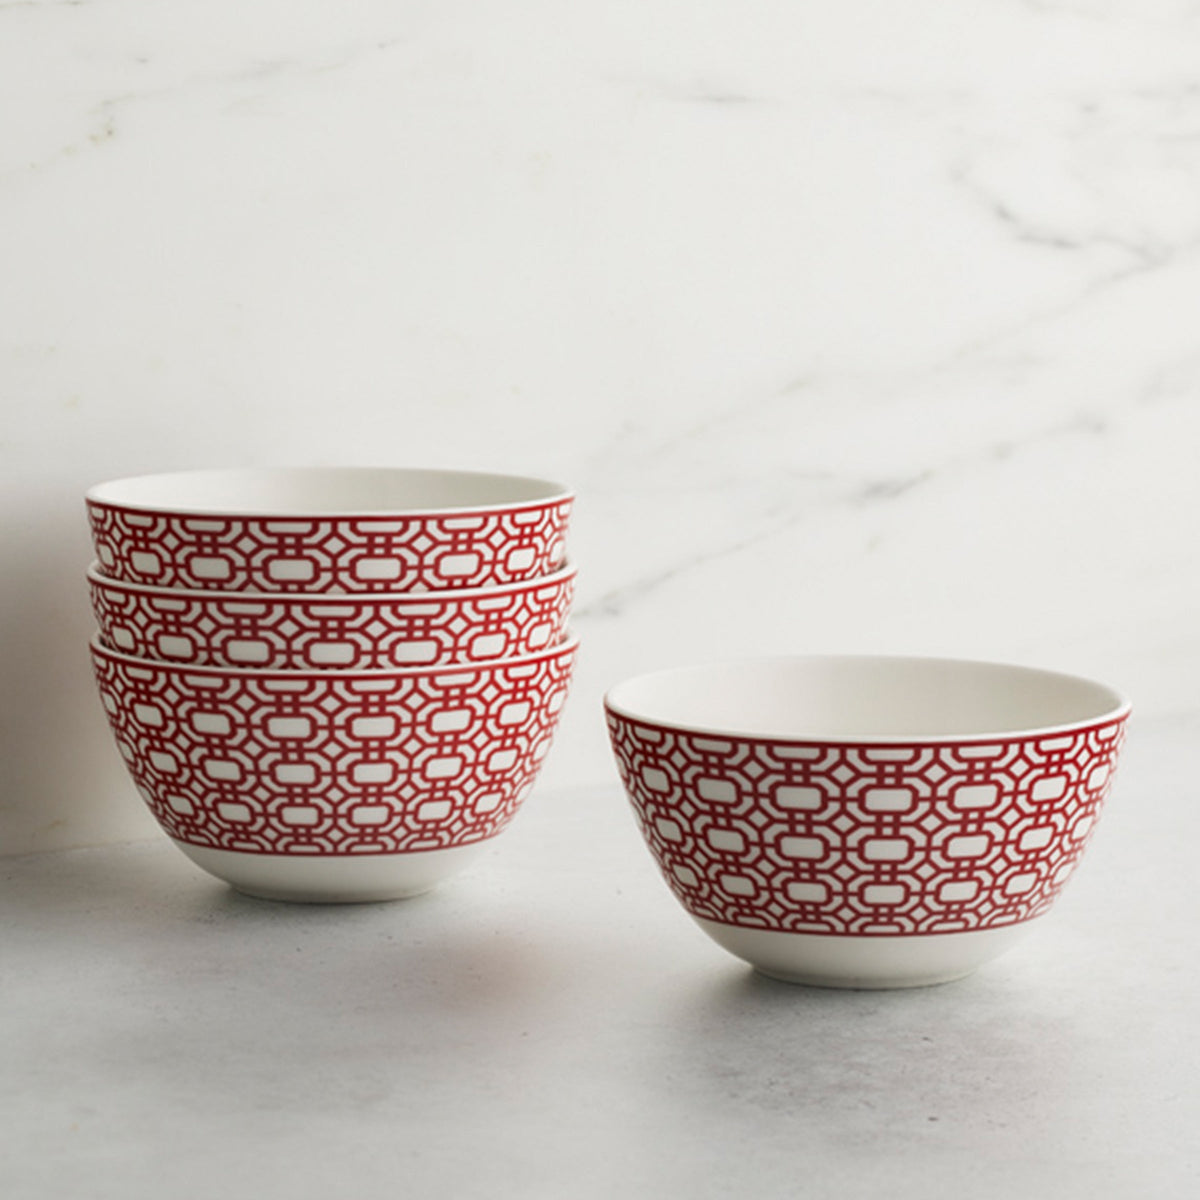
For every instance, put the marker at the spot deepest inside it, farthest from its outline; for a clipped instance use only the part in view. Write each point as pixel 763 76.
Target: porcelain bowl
pixel 316 529
pixel 865 822
pixel 333 785
pixel 360 630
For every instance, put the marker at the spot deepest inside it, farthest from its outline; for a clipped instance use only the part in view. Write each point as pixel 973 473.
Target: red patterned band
pixel 865 839
pixel 322 763
pixel 350 632
pixel 330 554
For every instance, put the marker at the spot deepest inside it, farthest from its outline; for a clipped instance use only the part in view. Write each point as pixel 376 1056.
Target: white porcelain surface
pixel 861 698
pixel 875 963
pixel 321 491
pixel 331 880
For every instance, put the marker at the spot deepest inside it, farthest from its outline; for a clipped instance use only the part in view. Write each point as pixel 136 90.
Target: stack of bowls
pixel 331 684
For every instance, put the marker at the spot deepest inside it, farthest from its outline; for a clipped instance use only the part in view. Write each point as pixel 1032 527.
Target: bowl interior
pixel 863 699
pixel 321 491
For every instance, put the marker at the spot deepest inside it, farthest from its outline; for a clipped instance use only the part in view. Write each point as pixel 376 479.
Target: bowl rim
pixel 1118 710
pixel 99 495
pixel 566 645
pixel 565 574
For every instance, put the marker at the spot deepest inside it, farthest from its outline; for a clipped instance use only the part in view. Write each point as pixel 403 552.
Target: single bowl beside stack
pixel 332 684
pixel 865 822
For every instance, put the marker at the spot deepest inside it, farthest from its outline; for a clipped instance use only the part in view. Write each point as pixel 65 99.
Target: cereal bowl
pixel 318 529
pixel 333 785
pixel 865 822
pixel 353 630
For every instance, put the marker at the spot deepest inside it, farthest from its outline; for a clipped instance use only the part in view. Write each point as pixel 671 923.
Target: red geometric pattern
pixel 310 763
pixel 865 839
pixel 331 554
pixel 361 631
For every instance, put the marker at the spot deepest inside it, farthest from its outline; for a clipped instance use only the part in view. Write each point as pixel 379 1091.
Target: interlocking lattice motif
pixel 865 839
pixel 344 631
pixel 334 554
pixel 306 763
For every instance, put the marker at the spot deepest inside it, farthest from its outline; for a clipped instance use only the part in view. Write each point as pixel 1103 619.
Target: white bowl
pixel 333 785
pixel 348 631
pixel 328 529
pixel 865 822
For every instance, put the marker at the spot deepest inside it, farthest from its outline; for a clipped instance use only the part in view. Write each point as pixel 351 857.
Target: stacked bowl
pixel 332 684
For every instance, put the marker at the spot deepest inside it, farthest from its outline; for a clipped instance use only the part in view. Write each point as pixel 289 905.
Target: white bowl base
pixel 330 878
pixel 833 961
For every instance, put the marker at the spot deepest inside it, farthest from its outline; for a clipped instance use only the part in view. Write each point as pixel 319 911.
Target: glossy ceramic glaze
pixel 316 529
pixel 362 630
pixel 865 822
pixel 333 785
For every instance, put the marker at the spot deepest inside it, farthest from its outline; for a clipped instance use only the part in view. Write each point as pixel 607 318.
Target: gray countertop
pixel 552 1024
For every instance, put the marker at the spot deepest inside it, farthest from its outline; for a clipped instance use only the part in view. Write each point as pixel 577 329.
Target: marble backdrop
pixel 857 326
